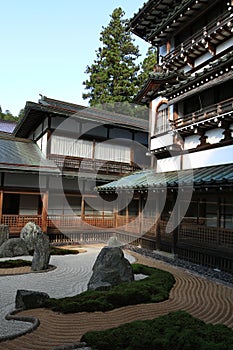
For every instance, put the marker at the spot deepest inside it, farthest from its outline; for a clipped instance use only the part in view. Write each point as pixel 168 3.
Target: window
pixel 112 152
pixel 71 147
pixel 162 124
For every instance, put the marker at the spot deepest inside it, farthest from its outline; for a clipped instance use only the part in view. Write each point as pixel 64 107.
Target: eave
pixel 154 83
pixel 218 71
pixel 157 19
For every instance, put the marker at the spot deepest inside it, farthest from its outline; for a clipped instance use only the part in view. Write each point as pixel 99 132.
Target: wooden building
pixel 58 154
pixel 190 94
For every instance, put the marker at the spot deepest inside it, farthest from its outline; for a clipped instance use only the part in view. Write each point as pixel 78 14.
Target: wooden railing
pixel 17 222
pixel 212 27
pixel 207 114
pixel 188 232
pixel 90 165
pixel 212 236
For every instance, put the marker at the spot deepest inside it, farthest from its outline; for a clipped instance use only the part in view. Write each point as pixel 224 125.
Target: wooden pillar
pixel 115 223
pixel 157 228
pixel 83 208
pixel 219 202
pixel 45 211
pixel 168 46
pixel 140 215
pixel 1 205
pixel 127 216
pixel 175 223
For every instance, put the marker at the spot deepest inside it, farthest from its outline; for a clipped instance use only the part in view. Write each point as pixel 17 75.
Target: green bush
pixel 154 288
pixel 177 331
pixel 9 264
pixel 61 251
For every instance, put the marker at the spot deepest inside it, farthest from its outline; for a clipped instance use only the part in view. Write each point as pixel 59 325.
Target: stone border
pixel 12 316
pixel 73 346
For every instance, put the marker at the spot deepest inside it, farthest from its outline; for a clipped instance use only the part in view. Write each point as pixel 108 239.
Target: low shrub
pixel 154 288
pixel 9 264
pixel 61 251
pixel 177 331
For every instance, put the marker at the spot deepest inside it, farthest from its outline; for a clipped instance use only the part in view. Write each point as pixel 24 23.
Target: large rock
pixel 29 233
pixel 41 256
pixel 13 247
pixel 110 269
pixel 4 233
pixel 29 299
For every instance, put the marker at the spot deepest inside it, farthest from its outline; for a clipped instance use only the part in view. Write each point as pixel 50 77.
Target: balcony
pixel 204 40
pixel 211 117
pixel 92 165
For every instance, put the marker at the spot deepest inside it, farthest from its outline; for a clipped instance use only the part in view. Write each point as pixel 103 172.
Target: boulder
pixel 29 299
pixel 29 233
pixel 13 247
pixel 41 256
pixel 110 269
pixel 4 233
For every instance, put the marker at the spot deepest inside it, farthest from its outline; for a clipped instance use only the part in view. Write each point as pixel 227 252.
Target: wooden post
pixel 157 228
pixel 1 205
pixel 45 211
pixel 83 209
pixel 140 214
pixel 127 216
pixel 175 223
pixel 115 217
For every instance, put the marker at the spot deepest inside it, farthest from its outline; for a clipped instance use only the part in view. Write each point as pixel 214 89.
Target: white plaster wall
pixel 199 159
pixel 208 55
pixel 191 142
pixel 168 164
pixel 224 46
pixel 214 135
pixel 161 141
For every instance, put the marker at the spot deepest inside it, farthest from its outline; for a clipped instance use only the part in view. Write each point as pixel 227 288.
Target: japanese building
pixel 190 95
pixel 55 157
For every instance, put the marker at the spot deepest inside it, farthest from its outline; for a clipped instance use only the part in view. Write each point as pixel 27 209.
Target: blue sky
pixel 47 44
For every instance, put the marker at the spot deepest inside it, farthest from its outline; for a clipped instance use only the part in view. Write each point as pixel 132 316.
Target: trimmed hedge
pixel 154 288
pixel 9 264
pixel 61 251
pixel 177 331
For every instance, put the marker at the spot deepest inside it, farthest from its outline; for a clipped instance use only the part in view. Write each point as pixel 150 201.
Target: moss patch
pixel 176 330
pixel 61 251
pixel 154 288
pixel 9 264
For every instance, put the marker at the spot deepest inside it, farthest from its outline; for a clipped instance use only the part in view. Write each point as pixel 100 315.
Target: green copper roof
pixel 213 175
pixel 23 155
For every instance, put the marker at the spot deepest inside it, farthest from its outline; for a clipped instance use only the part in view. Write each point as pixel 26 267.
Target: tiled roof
pixel 216 65
pixel 156 17
pixel 36 112
pixel 207 176
pixel 155 81
pixel 23 155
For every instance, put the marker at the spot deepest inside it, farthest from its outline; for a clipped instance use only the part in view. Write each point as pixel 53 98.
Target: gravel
pixel 210 273
pixel 70 277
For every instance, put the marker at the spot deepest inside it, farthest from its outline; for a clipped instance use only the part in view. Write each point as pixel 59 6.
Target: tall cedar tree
pixel 113 75
pixel 148 65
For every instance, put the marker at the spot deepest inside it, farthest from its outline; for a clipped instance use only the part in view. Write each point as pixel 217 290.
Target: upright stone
pixel 41 255
pixel 29 233
pixel 4 233
pixel 111 268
